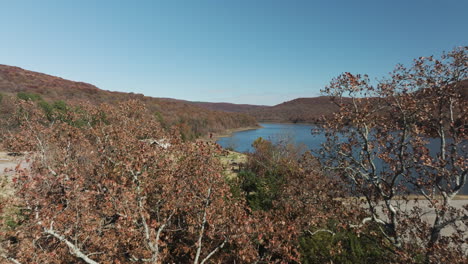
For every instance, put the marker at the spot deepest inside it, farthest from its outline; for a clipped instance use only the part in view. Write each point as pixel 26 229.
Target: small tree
pixel 379 143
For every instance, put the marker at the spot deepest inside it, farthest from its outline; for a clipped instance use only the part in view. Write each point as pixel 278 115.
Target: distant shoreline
pixel 229 132
pixel 290 122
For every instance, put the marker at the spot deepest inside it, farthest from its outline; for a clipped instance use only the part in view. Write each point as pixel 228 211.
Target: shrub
pixel 60 106
pixel 260 192
pixel 47 108
pixel 29 96
pixel 266 170
pixel 160 119
pixel 338 245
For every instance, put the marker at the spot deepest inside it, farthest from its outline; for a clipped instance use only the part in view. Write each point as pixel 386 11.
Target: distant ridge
pixel 300 110
pixel 202 117
pixel 230 107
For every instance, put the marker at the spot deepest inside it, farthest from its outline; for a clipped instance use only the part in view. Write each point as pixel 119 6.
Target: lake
pixel 297 133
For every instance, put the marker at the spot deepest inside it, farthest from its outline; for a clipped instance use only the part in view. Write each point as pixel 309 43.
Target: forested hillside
pixel 229 107
pixel 300 110
pixel 193 121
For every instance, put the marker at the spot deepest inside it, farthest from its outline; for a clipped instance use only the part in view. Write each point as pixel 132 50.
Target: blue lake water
pixel 297 133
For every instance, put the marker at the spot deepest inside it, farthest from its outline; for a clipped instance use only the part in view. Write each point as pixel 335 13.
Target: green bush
pixel 29 96
pixel 1 97
pixel 343 246
pixel 266 171
pixel 58 111
pixel 47 108
pixel 60 106
pixel 54 111
pixel 260 192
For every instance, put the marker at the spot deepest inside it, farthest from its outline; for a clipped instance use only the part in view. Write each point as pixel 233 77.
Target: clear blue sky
pixel 241 51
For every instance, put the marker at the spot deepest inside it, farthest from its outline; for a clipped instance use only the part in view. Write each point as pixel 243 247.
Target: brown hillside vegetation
pixel 228 107
pixel 192 120
pixel 300 110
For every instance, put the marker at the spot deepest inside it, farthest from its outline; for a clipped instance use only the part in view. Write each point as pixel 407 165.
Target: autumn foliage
pixel 291 198
pixel 192 121
pixel 402 144
pixel 108 185
pixel 118 188
pixel 119 183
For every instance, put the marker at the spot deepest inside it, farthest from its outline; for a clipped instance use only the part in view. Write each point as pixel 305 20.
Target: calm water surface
pixel 297 133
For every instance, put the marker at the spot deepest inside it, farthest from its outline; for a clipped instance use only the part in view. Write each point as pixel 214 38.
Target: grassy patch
pixel 232 162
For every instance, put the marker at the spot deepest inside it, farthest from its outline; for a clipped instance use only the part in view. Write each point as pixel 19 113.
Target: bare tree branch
pixel 214 251
pixel 10 259
pixel 320 230
pixel 202 229
pixel 73 248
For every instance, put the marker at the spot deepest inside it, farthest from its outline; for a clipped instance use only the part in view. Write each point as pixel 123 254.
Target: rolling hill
pixel 196 118
pixel 229 107
pixel 194 121
pixel 300 110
